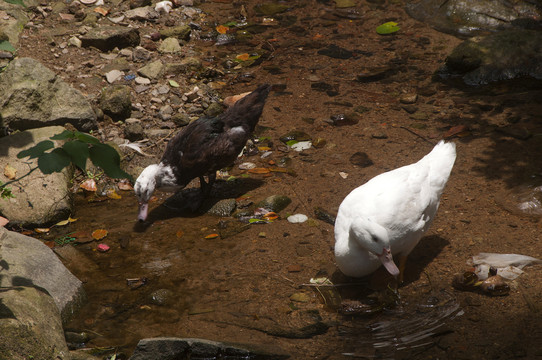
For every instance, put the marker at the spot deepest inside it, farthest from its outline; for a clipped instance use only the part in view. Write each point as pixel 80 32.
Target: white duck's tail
pixel 440 162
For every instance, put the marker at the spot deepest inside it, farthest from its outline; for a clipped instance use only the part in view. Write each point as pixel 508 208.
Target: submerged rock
pixel 472 17
pixel 275 203
pixel 190 348
pixel 501 56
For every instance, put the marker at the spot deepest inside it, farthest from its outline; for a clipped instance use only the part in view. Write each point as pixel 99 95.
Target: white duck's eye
pixel 374 238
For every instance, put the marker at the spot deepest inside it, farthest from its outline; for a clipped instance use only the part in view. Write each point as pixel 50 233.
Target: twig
pixel 418 135
pixel 15 180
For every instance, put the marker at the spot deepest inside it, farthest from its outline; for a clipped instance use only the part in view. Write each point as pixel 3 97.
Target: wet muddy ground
pixel 240 288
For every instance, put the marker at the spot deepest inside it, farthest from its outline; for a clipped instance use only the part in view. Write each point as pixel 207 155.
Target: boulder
pixel 39 199
pixel 33 96
pixel 30 325
pixel 27 262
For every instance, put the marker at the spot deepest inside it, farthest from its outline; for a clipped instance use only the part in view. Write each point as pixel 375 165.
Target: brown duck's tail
pixel 247 111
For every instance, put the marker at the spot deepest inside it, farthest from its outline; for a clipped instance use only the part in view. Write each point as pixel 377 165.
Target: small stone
pixel 75 41
pixel 134 131
pixel 409 108
pixel 300 297
pixel 319 143
pixel 408 99
pixel 379 136
pixel 294 268
pixel 275 203
pixel 361 159
pixel 142 80
pixel 161 297
pixel 297 218
pixel 170 45
pixel 113 76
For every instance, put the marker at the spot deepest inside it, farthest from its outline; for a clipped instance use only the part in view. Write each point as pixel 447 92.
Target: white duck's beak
pixel 387 260
pixel 143 209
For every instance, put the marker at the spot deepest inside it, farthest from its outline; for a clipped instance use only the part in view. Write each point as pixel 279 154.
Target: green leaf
pixel 291 142
pixel 16 2
pixel 78 152
pixel 65 135
pixel 89 139
pixel 6 46
pixel 36 150
pixel 108 159
pixel 387 28
pixel 173 83
pixel 54 161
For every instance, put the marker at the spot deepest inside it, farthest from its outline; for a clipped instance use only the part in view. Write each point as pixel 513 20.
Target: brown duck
pixel 201 148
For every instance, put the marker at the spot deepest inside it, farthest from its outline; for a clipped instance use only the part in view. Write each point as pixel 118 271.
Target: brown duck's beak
pixel 143 209
pixel 387 260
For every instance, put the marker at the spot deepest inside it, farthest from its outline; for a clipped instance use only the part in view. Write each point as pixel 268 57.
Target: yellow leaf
pixel 42 230
pixel 112 194
pixel 101 10
pixel 259 171
pixel 71 219
pixel 179 233
pixel 211 236
pixel 221 29
pixel 63 222
pixel 10 172
pixel 99 234
pixel 243 57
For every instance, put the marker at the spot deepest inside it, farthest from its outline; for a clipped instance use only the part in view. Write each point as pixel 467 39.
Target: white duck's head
pixel 144 188
pixel 374 238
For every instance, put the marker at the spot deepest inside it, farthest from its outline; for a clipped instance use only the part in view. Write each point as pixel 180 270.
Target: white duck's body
pixel 391 211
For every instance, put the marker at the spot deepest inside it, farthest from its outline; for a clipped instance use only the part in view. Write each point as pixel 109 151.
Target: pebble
pixel 113 76
pixel 300 297
pixel 409 99
pixel 247 166
pixel 297 218
pixel 302 145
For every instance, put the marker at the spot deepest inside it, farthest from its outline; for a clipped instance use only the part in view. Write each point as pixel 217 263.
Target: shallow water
pixel 240 288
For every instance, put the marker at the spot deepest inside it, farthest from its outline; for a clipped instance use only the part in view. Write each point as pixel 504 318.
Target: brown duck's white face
pixel 144 188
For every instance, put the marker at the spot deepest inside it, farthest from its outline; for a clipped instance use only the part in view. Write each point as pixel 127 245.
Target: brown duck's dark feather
pixel 208 144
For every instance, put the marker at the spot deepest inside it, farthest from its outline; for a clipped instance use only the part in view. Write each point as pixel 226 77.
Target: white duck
pixel 389 214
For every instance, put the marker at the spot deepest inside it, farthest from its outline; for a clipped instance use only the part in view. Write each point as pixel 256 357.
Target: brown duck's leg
pixel 402 265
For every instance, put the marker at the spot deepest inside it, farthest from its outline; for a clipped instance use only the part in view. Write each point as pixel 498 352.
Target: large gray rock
pixel 30 326
pixel 13 24
pixel 107 38
pixel 33 96
pixel 39 199
pixel 28 262
pixel 166 348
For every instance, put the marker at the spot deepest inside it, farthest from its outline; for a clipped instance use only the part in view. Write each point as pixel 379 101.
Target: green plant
pixel 5 192
pixel 66 239
pixel 77 148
